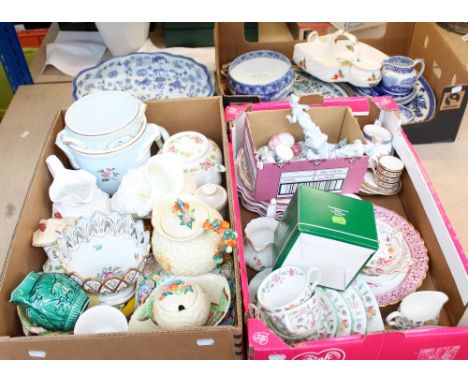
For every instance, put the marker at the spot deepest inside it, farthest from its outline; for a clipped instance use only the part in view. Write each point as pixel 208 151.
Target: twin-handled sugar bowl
pixel 106 133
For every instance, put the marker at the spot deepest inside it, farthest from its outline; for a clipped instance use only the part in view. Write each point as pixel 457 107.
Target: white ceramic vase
pixel 122 38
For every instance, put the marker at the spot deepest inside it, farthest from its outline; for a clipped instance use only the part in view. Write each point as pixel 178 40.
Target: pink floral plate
pixel 420 261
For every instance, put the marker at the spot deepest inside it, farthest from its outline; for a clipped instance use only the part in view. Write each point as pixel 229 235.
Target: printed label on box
pixel 451 100
pixel 325 180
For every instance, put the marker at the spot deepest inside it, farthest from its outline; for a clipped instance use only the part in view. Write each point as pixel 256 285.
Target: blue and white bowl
pixel 262 73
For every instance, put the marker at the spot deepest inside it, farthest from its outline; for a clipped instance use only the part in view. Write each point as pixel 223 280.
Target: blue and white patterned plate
pixel 147 76
pixel 423 105
pixel 421 102
pixel 304 84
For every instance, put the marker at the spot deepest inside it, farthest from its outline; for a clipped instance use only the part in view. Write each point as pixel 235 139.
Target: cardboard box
pixel 331 232
pixel 445 70
pixel 222 342
pixel 273 180
pixel 448 272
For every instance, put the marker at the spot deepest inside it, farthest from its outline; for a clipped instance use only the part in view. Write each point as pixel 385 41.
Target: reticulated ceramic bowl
pixel 263 73
pixel 104 253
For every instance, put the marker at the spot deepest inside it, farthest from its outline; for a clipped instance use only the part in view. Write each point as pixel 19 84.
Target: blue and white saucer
pixel 421 101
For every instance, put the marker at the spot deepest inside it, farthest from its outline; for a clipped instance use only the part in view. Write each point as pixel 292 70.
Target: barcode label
pixel 325 180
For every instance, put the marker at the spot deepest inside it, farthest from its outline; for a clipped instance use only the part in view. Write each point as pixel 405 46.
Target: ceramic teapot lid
pixel 188 145
pixel 180 216
pixel 177 295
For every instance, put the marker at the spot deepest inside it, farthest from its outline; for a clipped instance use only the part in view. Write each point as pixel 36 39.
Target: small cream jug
pixel 74 193
pixel 418 309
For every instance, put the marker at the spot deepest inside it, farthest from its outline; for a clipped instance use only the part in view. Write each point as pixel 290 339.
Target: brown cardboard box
pixel 223 342
pixel 445 71
pixel 270 180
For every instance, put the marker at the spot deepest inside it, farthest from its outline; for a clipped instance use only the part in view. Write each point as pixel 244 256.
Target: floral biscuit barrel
pixel 189 237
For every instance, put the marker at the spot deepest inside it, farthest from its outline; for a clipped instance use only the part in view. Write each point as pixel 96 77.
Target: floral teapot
pixel 189 237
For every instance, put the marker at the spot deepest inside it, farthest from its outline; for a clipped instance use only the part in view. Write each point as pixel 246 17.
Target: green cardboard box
pixel 332 232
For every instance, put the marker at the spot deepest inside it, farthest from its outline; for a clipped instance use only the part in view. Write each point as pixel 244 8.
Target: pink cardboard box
pixel 448 272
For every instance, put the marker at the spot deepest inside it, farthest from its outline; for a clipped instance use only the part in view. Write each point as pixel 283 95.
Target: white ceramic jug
pixel 74 193
pixel 418 309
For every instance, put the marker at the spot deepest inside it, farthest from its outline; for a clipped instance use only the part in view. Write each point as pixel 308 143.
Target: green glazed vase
pixel 51 300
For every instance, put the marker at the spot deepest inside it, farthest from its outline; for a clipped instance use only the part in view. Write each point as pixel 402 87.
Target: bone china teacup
pixel 286 288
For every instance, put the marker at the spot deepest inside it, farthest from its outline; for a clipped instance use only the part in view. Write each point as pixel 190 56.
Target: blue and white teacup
pixel 399 74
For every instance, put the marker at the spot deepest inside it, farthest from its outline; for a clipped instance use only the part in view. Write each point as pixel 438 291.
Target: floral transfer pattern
pixel 405 323
pixel 107 174
pixel 185 214
pixel 109 271
pixel 420 261
pixel 345 320
pixel 358 311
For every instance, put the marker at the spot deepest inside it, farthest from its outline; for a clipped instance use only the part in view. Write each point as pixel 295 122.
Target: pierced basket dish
pixel 104 253
pixel 147 76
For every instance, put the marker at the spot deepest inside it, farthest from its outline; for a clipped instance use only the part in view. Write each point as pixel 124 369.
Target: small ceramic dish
pixel 264 73
pixel 215 287
pixel 104 253
pixel 101 319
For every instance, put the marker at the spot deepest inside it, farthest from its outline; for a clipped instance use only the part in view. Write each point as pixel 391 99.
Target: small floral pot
pixel 200 156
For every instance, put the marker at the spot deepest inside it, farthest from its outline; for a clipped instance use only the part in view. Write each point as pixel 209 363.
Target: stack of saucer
pixel 275 207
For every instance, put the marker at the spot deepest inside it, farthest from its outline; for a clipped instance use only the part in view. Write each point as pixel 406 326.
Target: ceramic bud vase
pixel 51 300
pixel 74 193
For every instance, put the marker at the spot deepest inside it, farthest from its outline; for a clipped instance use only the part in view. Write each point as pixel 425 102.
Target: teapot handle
pixel 392 317
pixel 66 149
pixel 156 134
pixel 312 36
pixel 423 65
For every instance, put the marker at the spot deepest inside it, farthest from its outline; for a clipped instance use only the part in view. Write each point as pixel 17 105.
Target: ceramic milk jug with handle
pixel 74 193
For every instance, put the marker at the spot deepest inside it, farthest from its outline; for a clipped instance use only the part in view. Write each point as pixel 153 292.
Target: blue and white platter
pixel 305 83
pixel 421 102
pixel 147 76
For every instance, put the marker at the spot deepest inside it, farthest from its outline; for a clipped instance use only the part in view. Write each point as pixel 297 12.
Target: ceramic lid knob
pixel 183 217
pixel 212 194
